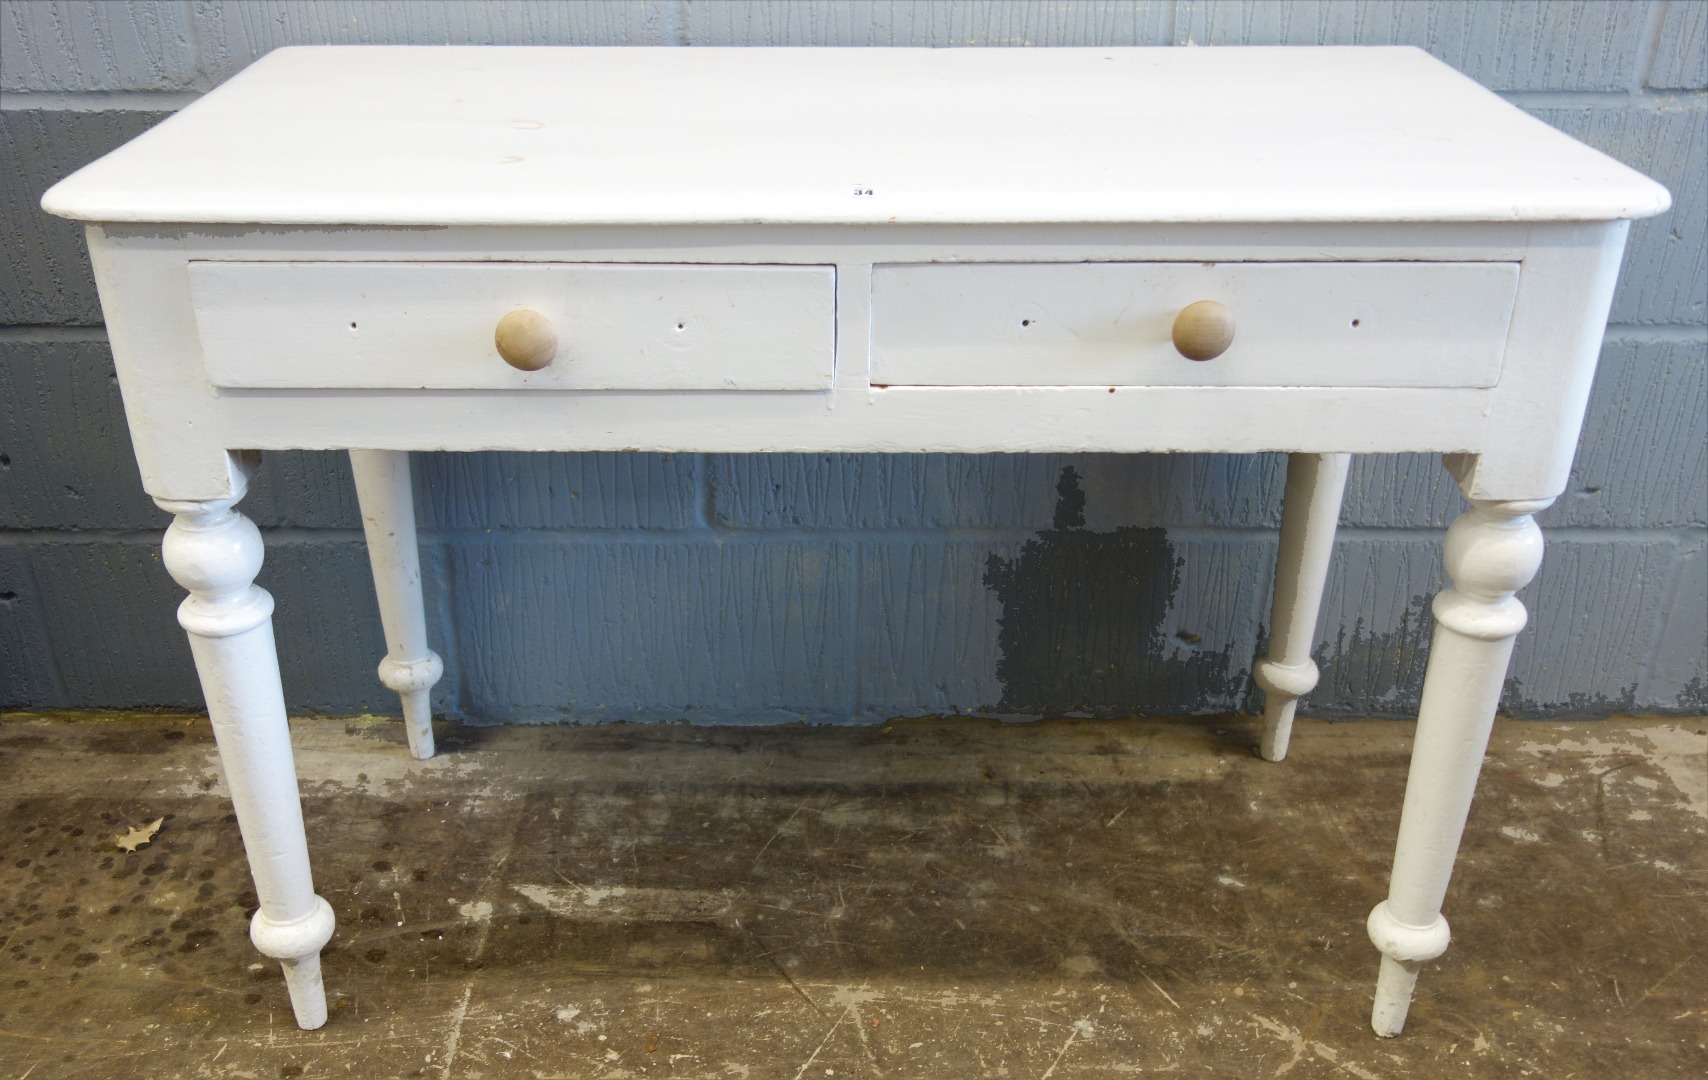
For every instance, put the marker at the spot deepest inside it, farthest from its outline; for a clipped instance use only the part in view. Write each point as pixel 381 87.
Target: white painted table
pixel 855 250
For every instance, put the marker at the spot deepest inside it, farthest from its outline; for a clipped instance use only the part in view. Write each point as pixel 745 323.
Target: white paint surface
pixel 430 325
pixel 1316 484
pixel 412 136
pixel 854 146
pixel 1296 324
pixel 409 668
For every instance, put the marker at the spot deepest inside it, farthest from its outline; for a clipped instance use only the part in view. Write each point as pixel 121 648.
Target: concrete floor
pixel 934 899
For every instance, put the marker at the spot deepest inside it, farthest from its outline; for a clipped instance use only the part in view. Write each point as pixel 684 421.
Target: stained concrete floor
pixel 935 899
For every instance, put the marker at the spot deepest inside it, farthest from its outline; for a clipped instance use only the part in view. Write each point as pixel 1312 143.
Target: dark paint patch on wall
pixel 1514 703
pixel 1083 627
pixel 1365 673
pixel 1381 674
pixel 1694 697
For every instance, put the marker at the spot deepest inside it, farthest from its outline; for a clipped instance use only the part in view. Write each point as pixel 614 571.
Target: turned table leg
pixel 1309 514
pixel 410 668
pixel 1493 550
pixel 215 552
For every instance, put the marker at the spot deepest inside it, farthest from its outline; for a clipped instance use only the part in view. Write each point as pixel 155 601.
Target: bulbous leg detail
pixel 215 552
pixel 410 668
pixel 1309 515
pixel 1493 550
pixel 296 945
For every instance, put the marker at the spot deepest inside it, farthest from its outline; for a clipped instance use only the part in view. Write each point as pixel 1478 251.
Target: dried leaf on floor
pixel 131 839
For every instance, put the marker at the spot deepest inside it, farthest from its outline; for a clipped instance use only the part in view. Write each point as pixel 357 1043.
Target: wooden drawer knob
pixel 1203 331
pixel 526 340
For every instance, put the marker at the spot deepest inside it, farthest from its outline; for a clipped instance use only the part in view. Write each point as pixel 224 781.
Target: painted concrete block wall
pixel 837 588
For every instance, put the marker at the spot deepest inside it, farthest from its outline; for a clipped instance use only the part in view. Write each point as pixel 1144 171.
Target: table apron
pixel 1524 426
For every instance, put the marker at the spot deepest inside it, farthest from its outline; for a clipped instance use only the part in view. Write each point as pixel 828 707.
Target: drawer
pixel 1089 324
pixel 430 325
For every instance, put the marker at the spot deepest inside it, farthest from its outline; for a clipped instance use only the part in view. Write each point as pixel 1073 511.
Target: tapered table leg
pixel 215 552
pixel 1493 550
pixel 410 668
pixel 1309 514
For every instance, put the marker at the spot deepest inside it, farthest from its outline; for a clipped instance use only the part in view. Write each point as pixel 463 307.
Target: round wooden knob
pixel 526 340
pixel 1203 331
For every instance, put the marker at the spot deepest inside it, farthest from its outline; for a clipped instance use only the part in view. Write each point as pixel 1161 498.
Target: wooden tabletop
pixel 539 136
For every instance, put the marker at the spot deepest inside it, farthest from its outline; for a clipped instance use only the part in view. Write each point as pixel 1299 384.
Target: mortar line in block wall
pixel 853 615
pixel 52 334
pixel 1659 616
pixel 198 54
pixel 1657 333
pixel 1551 534
pixel 1649 100
pixel 97 100
pixel 705 494
pixel 56 673
pixel 289 536
pixel 570 535
pixel 1645 64
pixel 457 695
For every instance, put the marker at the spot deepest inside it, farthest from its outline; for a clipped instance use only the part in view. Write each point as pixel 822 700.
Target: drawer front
pixel 1091 324
pixel 430 325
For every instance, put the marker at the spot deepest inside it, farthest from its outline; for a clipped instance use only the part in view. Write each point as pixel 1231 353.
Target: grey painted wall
pixel 852 587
